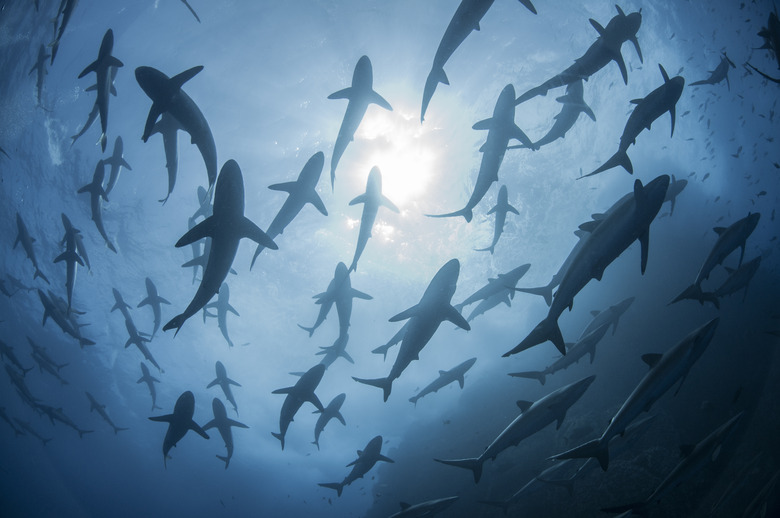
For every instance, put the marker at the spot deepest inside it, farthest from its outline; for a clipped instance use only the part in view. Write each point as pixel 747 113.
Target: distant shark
pixel 332 411
pixel 23 237
pixel 606 48
pixel 465 20
pixel 502 285
pixel 444 379
pixel 340 292
pixel 224 383
pixel 101 69
pixel 424 509
pixel 501 129
pixel 222 306
pixel 302 391
pixel 336 351
pixel 360 95
pixel 610 316
pixel 68 325
pixel 66 10
pixel 535 416
pixel 720 73
pixel 93 113
pixel 150 380
pixel 168 97
pixel 96 193
pixel 40 67
pixel 101 409
pixel 116 161
pixel 372 199
pixel 139 340
pixel 224 424
pixel 424 319
pixel 70 256
pixel 500 210
pixel 225 227
pixel 154 301
pixel 661 100
pixel 179 423
pixel 362 465
pixel 771 36
pixel 628 220
pixel 665 370
pixel 675 188
pixel 80 248
pixel 300 192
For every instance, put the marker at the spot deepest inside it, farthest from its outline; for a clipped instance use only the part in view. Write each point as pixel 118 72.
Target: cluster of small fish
pixel 601 241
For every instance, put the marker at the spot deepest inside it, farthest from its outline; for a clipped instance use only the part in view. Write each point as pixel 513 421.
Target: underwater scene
pixel 362 258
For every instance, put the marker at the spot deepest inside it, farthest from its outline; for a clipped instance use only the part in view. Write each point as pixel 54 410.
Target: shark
pixel 424 509
pixel 154 301
pixel 81 250
pixel 224 383
pixel 607 47
pixel 574 353
pixel 340 292
pixel 139 340
pixel 168 97
pixel 121 305
pixel 7 352
pixel 665 370
pixel 222 306
pixel 646 110
pixel 444 379
pixel 502 284
pixel 14 427
pixel 534 417
pixel 101 410
pixel 360 94
pixel 150 380
pixel 372 200
pixel 424 319
pixel 57 414
pixel 296 396
pixel 299 193
pixel 332 411
pixel 720 73
pixel 101 69
pixel 187 4
pixel 465 20
pixel 93 113
pixel 501 209
pixel 40 354
pixel 501 129
pixel 68 326
pixel 675 188
pixel 336 351
pixel 71 258
pixel 116 161
pixel 226 227
pixel 45 365
pixel 66 10
pixel 395 340
pixel 223 424
pixel 367 457
pixel 573 105
pixel 771 36
pixel 23 237
pixel 27 427
pixel 179 423
pixel 729 239
pixel 610 316
pixel 40 68
pixel 738 279
pixel 96 194
pixel 627 221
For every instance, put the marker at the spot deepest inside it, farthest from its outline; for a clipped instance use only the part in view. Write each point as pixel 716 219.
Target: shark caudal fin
pixel 84 342
pixel 309 330
pixel 537 375
pixel 435 76
pixel 694 292
pixel 595 448
pixel 382 349
pixel 547 329
pixel 465 212
pixel 280 437
pixel 175 323
pixel 386 384
pixel 82 432
pixel 40 274
pixel 619 158
pixel 543 291
pixel 226 460
pixel 337 486
pixel 475 465
pixel 118 429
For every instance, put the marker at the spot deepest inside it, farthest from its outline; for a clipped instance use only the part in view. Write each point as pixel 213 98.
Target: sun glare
pixel 401 153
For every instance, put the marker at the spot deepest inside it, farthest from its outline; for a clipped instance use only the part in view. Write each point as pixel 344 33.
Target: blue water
pixel 268 70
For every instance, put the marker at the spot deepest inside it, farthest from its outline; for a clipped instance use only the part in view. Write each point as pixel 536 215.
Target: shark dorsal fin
pixel 524 405
pixel 404 506
pixel 596 25
pixel 663 73
pixel 619 10
pixel 651 359
pixel 719 230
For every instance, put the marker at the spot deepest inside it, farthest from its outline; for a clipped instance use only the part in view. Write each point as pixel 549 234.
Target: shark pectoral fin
pixel 340 418
pixel 286 186
pixel 663 73
pixel 512 209
pixel 346 93
pixel 314 400
pixel 92 67
pixel 461 381
pixel 112 89
pixel 124 164
pixel 211 424
pixel 361 295
pixel 456 318
pixel 672 114
pixel 195 427
pixel 618 58
pixel 231 382
pixel 596 25
pixel 589 112
pixel 253 232
pixel 359 199
pixel 518 134
pixel 233 310
pixel 636 47
pixel 162 418
pixel 203 229
pixel 528 5
pixel 179 79
pixel 283 390
pixel 682 380
pixel 404 315
pixel 386 459
pixel 315 200
pixel 389 204
pixel 154 112
pixel 493 210
pixel 237 424
pixel 378 99
pixel 524 405
pixel 215 382
pixel 484 124
pixel 114 62
pixel 644 242
pixel 144 302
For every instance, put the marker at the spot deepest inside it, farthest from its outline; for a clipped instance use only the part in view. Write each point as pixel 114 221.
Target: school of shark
pixel 482 308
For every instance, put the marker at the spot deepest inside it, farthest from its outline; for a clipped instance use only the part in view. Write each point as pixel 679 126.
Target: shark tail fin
pixel 619 158
pixel 436 76
pixel 337 486
pixel 226 460
pixel 309 330
pixel 490 249
pixel 382 349
pixel 316 443
pixel 414 399
pixel 118 429
pixel 85 341
pixel 694 292
pixel 497 503
pixel 82 432
pixel 386 384
pixel 40 274
pixel 544 291
pixel 175 323
pixel 537 375
pixel 465 212
pixel 595 448
pixel 25 371
pixel 280 437
pixel 475 465
pixel 154 406
pixel 45 440
pixel 547 329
